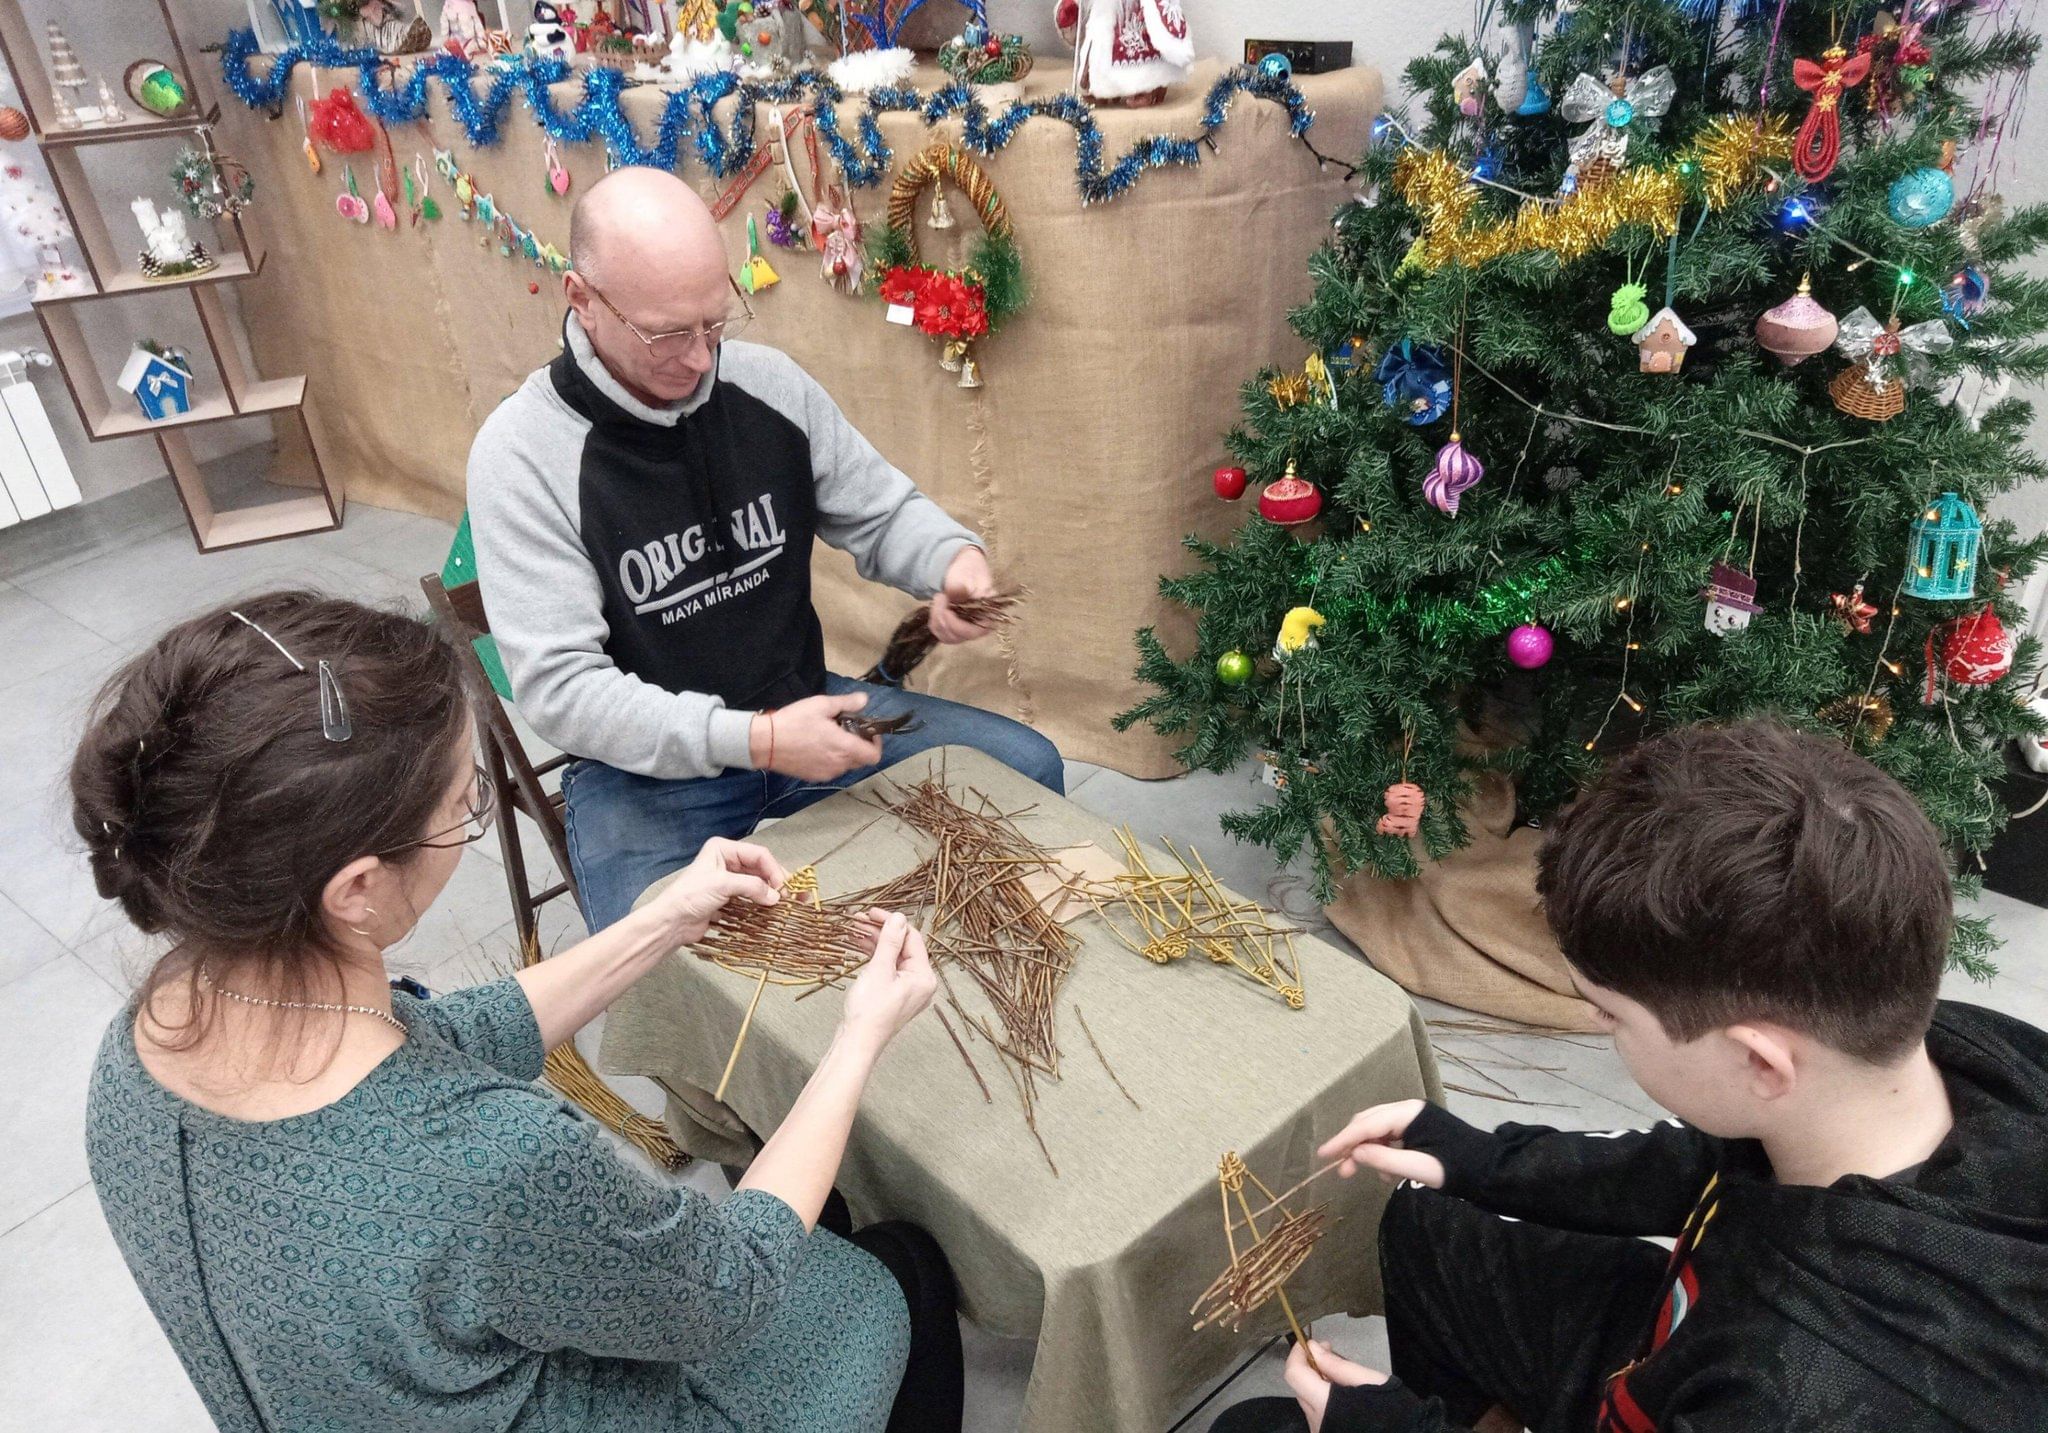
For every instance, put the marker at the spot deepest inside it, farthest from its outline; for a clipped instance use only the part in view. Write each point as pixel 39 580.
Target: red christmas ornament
pixel 1851 609
pixel 993 49
pixel 1975 651
pixel 338 122
pixel 1404 810
pixel 1291 500
pixel 1229 484
pixel 1819 143
pixel 532 286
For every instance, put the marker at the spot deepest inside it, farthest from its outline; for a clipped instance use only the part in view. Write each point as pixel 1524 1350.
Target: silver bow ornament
pixel 1647 96
pixel 1882 347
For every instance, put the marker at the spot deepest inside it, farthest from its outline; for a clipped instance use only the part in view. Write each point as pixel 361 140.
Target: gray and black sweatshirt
pixel 648 570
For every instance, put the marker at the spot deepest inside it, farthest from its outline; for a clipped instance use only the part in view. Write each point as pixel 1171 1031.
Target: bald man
pixel 644 509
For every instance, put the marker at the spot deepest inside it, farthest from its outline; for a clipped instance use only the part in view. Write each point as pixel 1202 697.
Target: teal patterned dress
pixel 449 1247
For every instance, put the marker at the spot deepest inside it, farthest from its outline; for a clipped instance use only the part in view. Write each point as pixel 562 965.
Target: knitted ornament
pixel 1455 471
pixel 1405 801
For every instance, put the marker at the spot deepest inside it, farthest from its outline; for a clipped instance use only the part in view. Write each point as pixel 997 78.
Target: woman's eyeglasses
pixel 682 340
pixel 483 808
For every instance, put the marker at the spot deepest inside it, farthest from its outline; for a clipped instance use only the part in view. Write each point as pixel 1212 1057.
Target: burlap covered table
pixel 1082 462
pixel 1101 1263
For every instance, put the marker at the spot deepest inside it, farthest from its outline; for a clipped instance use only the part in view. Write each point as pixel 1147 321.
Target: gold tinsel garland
pixel 1730 153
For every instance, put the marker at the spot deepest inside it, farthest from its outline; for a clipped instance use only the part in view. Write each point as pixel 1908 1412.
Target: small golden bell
pixel 970 373
pixel 951 356
pixel 942 217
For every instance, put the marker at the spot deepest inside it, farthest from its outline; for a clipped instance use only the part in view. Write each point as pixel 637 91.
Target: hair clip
pixel 334 722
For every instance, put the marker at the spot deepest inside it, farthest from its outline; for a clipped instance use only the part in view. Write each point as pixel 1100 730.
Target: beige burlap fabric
pixel 1468 930
pixel 1101 1262
pixel 1083 461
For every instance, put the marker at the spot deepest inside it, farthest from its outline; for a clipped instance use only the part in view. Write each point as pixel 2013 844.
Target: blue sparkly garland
pixel 688 113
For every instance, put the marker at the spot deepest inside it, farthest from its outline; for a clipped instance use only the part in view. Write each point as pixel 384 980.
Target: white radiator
pixel 35 478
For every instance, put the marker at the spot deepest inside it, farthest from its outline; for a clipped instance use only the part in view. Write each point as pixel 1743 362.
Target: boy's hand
pixel 1312 1389
pixel 1373 1139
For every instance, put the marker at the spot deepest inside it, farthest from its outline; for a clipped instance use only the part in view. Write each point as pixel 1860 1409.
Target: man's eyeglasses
pixel 483 808
pixel 682 340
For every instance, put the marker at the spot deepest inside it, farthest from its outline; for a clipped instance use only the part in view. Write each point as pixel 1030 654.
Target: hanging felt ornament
pixel 1941 564
pixel 1975 652
pixel 384 204
pixel 1921 197
pixel 1291 500
pixel 1798 328
pixel 338 122
pixel 465 195
pixel 1511 77
pixel 306 138
pixel 757 275
pixel 1661 343
pixel 1536 100
pixel 1297 632
pixel 1852 611
pixel 1819 142
pixel 349 203
pixel 487 218
pixel 381 209
pixel 1614 109
pixel 1886 358
pixel 1412 377
pixel 558 174
pixel 1466 87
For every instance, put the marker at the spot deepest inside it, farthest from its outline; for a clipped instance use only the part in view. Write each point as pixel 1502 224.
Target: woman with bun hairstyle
pixel 351 1208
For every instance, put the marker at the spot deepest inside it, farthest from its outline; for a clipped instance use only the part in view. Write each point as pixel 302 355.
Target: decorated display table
pixel 1101 1262
pixel 1084 458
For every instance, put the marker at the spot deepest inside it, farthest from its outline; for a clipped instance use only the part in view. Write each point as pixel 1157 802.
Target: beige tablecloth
pixel 1102 1262
pixel 1083 461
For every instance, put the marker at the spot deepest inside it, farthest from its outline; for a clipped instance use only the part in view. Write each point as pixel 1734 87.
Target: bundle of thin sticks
pixel 1260 1272
pixel 912 641
pixel 981 919
pixel 1173 913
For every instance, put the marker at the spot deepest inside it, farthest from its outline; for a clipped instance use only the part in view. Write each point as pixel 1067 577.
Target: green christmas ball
pixel 1233 669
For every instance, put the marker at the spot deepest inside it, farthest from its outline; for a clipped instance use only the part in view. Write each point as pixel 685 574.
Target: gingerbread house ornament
pixel 1661 343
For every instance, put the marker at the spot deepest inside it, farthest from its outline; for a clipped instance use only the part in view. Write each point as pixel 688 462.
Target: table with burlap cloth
pixel 1100 1263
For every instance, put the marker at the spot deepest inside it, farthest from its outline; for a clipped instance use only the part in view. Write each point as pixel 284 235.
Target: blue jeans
pixel 626 832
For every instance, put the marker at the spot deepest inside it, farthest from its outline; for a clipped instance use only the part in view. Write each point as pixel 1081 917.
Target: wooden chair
pixel 518 780
pixel 519 787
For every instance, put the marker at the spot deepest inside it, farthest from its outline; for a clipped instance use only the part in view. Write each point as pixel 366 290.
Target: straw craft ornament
pixel 1259 1272
pixel 1173 914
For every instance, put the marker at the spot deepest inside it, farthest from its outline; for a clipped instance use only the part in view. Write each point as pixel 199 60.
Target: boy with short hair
pixel 1859 1188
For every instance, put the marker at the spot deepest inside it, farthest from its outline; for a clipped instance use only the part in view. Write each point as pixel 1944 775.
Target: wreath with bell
pixel 958 307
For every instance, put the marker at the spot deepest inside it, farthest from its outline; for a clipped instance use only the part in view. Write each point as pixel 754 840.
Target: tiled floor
pixel 81 591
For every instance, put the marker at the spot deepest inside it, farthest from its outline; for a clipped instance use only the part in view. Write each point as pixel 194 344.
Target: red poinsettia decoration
pixel 901 285
pixel 943 305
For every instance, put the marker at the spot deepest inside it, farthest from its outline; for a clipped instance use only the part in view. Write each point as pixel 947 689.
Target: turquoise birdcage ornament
pixel 1942 566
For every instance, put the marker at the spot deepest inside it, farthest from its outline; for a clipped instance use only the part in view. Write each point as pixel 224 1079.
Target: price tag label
pixel 902 313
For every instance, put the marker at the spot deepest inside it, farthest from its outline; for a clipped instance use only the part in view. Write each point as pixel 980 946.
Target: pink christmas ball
pixel 1530 646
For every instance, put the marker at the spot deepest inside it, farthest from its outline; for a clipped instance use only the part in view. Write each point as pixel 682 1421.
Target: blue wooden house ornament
pixel 162 387
pixel 1942 565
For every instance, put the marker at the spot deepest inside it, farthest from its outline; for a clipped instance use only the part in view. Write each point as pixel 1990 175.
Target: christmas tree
pixel 1637 374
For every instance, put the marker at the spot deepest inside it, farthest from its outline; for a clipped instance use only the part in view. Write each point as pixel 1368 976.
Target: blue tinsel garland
pixel 865 160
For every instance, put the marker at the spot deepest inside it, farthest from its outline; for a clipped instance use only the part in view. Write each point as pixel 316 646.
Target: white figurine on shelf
pixel 110 111
pixel 169 251
pixel 1126 51
pixel 33 226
